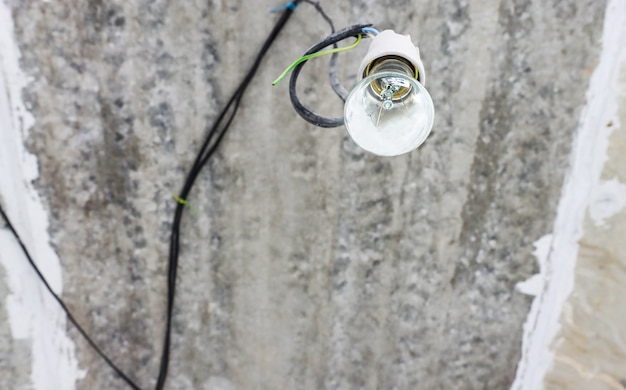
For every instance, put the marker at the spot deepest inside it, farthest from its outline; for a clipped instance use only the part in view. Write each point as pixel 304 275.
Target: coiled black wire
pixel 304 112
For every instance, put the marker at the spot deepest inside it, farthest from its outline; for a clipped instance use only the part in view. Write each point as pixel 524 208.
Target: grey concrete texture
pixel 308 263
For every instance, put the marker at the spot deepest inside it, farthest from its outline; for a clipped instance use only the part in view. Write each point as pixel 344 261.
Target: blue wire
pixel 370 30
pixel 291 5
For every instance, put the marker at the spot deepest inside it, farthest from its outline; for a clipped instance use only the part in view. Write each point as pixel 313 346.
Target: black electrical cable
pixel 208 148
pixel 69 315
pixel 305 113
pixel 218 130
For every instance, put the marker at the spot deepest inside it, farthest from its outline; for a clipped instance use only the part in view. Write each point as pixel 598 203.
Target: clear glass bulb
pixel 389 113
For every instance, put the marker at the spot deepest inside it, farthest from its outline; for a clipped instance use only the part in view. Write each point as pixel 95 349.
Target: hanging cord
pixel 216 134
pixel 306 114
pixel 212 141
pixel 69 315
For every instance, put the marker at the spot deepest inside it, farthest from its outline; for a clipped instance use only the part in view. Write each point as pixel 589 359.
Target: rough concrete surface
pixel 309 263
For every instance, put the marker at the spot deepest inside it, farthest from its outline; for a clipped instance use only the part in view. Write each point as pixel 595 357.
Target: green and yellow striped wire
pixel 313 55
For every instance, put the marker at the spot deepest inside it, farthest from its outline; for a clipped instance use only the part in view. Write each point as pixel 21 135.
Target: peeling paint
pixel 534 284
pixel 582 192
pixel 32 312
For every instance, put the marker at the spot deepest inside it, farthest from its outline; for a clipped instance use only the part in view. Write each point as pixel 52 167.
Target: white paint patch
pixel 33 314
pixel 531 286
pixel 589 154
pixel 608 199
pixel 535 283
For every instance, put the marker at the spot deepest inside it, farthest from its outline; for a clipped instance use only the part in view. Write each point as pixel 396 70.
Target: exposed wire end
pixel 370 31
pixel 291 5
pixel 314 55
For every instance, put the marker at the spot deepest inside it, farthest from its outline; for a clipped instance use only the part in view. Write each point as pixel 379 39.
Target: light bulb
pixel 389 112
